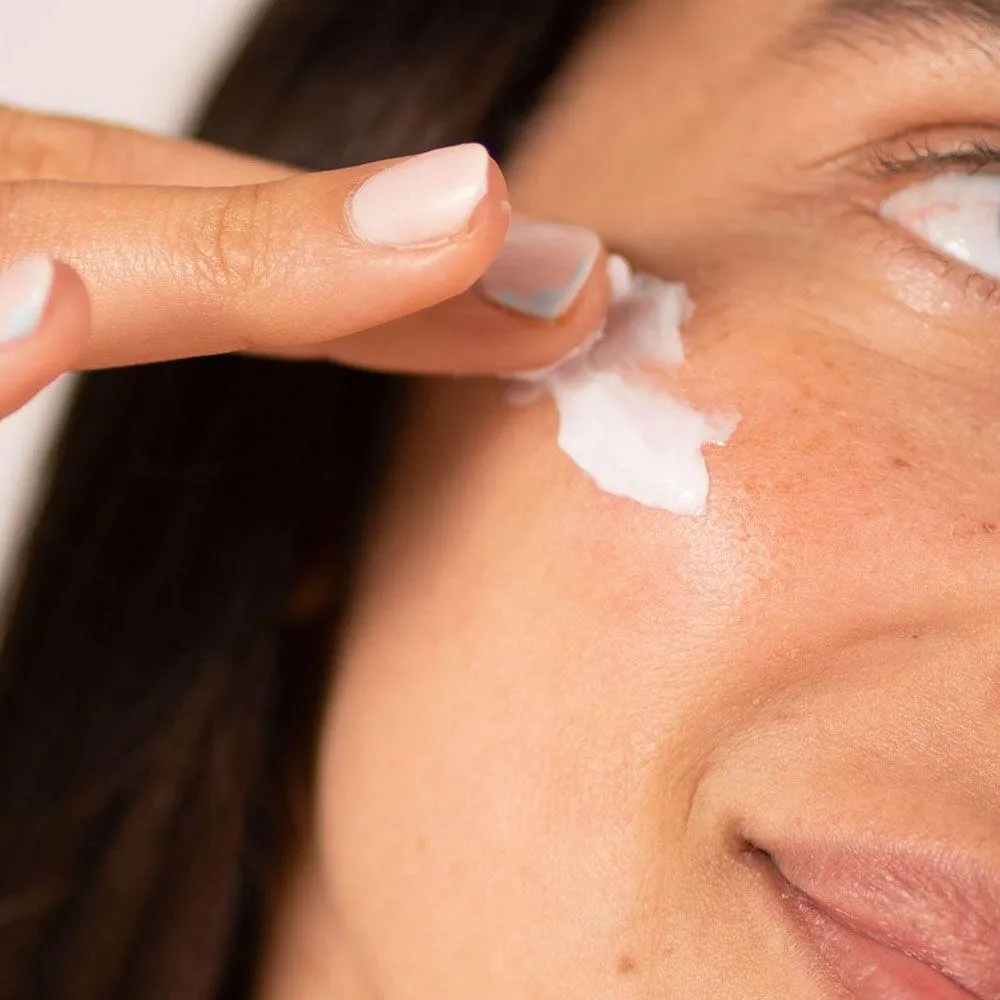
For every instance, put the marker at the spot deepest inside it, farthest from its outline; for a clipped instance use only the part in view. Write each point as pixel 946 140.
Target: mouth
pixel 894 923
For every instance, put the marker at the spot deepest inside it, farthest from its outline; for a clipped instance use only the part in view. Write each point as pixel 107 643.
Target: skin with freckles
pixel 558 717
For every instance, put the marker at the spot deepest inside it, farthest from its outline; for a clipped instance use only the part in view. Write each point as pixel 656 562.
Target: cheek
pixel 873 488
pixel 535 673
pixel 467 781
pixel 491 735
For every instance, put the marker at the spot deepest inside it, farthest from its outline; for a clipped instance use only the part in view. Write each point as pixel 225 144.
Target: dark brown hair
pixel 164 660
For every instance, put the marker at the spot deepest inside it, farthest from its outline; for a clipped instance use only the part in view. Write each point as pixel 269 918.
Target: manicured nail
pixel 541 268
pixel 25 288
pixel 425 199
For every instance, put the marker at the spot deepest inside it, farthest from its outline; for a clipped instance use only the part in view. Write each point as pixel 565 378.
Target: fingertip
pixel 433 199
pixel 64 329
pixel 531 344
pixel 410 234
pixel 473 334
pixel 69 304
pixel 552 282
pixel 587 314
pixel 44 324
pixel 492 217
pixel 496 189
pixel 473 251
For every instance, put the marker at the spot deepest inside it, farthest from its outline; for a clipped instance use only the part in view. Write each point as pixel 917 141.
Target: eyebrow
pixel 891 20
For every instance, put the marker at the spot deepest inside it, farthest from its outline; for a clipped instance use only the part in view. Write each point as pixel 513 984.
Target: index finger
pixel 136 272
pixel 35 146
pixel 177 272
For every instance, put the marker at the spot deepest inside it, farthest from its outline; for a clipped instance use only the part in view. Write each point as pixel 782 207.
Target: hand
pixel 128 248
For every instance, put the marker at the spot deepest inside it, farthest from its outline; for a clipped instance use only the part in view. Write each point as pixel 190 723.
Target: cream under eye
pixel 958 214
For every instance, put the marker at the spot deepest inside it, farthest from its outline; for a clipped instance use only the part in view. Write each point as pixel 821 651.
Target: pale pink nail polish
pixel 25 288
pixel 541 268
pixel 425 199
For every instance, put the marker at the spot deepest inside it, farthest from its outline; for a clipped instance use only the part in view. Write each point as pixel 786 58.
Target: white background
pixel 147 63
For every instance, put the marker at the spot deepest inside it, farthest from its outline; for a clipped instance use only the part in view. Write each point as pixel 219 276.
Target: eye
pixel 958 214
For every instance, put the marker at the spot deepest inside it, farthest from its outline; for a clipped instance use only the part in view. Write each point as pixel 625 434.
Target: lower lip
pixel 869 970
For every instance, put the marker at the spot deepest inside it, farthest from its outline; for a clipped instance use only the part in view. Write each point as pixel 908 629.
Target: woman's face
pixel 572 738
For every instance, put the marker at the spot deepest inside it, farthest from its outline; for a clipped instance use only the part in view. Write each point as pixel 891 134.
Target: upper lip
pixel 939 907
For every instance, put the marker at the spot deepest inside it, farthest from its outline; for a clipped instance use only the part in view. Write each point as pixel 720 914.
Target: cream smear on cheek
pixel 630 436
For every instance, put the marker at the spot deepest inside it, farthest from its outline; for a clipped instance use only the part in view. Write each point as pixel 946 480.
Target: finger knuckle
pixel 38 147
pixel 231 243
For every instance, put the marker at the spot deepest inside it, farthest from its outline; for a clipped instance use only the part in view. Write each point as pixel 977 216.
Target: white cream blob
pixel 616 423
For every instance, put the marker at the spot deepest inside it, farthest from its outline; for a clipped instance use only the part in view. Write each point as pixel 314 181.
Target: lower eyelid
pixel 899 296
pixel 982 288
pixel 979 290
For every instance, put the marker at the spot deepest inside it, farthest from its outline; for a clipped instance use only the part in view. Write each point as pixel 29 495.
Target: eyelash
pixel 973 156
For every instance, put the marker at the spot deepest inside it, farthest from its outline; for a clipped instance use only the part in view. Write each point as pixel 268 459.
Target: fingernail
pixel 25 288
pixel 542 268
pixel 425 199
